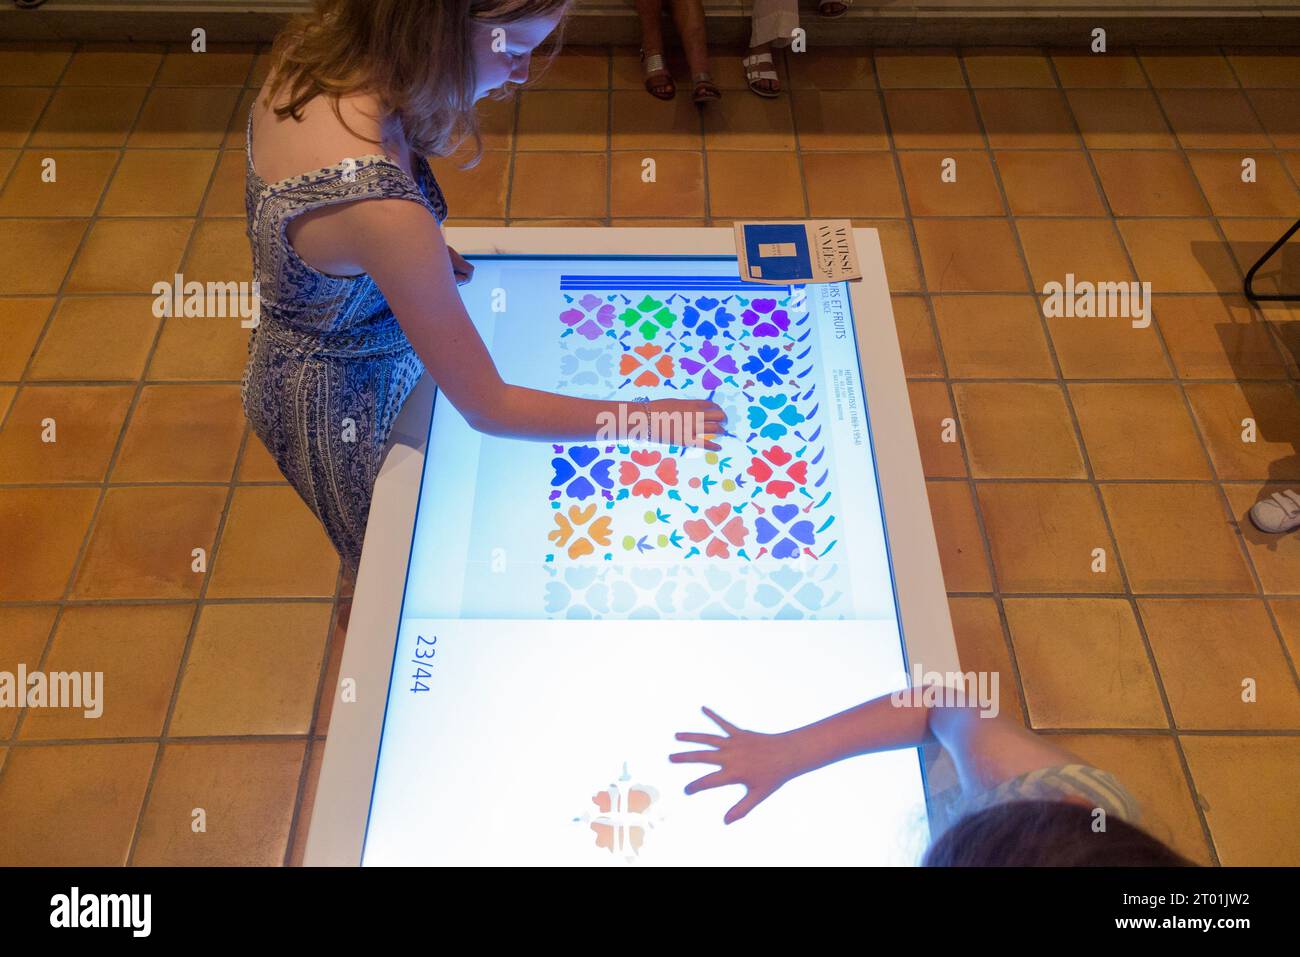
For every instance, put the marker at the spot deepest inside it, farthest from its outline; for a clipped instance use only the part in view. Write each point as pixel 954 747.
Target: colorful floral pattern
pixel 647 365
pixel 763 319
pixel 662 531
pixel 720 529
pixel 774 416
pixel 777 472
pixel 649 317
pixel 707 318
pixel 580 471
pixel 580 530
pixel 711 361
pixel 647 473
pixel 785 533
pixel 592 320
pixel 769 365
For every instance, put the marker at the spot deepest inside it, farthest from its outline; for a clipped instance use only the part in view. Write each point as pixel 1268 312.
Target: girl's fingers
pixel 753 797
pixel 696 757
pixel 715 780
pixel 722 722
pixel 712 740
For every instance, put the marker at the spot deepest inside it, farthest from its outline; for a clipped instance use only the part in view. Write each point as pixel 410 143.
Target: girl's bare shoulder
pixel 320 137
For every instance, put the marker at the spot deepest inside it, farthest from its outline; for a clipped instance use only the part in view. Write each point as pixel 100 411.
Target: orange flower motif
pixel 571 527
pixel 652 370
pixel 665 473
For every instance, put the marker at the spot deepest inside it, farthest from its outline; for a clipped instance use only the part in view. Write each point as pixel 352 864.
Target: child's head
pixel 427 61
pixel 1046 834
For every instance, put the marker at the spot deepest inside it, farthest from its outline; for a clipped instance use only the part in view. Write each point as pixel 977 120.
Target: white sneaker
pixel 1278 513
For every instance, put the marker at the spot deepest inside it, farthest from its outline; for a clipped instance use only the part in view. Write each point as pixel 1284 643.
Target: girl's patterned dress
pixel 328 365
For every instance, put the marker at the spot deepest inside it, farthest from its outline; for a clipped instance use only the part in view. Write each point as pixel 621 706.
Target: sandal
pixel 705 89
pixel 824 5
pixel 754 71
pixel 663 88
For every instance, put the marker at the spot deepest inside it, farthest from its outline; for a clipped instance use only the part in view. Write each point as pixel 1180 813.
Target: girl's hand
pixel 685 422
pixel 463 268
pixel 761 762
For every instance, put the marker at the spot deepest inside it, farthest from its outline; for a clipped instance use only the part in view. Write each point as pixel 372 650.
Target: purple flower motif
pixel 714 358
pixel 584 322
pixel 777 321
pixel 570 473
pixel 788 539
pixel 769 365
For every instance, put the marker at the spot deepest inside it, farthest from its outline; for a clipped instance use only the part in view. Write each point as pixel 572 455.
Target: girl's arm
pixel 402 248
pixel 986 750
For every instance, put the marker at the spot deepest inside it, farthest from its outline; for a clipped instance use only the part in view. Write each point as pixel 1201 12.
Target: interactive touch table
pixel 534 622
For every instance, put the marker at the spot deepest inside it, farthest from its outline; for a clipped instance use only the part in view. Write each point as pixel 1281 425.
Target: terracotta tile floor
pixel 1073 434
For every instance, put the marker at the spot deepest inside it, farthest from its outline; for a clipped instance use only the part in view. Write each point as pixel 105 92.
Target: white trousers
pixel 773 22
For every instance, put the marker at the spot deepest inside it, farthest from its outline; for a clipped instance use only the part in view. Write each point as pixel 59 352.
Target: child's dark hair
pixel 1046 834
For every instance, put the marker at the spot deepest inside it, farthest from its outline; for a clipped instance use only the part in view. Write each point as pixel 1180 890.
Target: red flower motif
pixel 653 370
pixel 764 474
pixel 665 473
pixel 721 530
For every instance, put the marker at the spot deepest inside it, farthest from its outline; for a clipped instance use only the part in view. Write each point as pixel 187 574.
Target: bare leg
pixel 689 17
pixel 651 13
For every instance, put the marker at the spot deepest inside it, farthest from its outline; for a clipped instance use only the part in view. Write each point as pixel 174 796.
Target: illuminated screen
pixel 569 608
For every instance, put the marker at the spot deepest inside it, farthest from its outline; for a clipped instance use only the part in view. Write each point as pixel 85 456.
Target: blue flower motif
pixel 771 423
pixel 693 319
pixel 768 365
pixel 788 539
pixel 571 475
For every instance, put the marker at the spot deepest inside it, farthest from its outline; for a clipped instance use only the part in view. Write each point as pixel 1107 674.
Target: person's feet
pixel 705 89
pixel 1278 513
pixel 658 81
pixel 760 71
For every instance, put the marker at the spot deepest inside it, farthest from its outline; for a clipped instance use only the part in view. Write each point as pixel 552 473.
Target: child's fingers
pixel 721 722
pixel 696 757
pixel 753 797
pixel 712 740
pixel 715 780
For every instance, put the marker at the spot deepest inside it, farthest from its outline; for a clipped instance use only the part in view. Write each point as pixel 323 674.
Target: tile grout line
pixel 972 497
pixel 1225 501
pixel 163 738
pixel 512 161
pixel 1273 334
pixel 47 648
pixel 311 738
pixel 1129 598
pixel 1189 780
pixel 1206 834
pixel 926 295
pixel 609 135
pixel 1274 150
pixel 55 298
pixel 301 793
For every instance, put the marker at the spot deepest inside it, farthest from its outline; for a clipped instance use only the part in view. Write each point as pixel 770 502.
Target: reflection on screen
pixel 569 607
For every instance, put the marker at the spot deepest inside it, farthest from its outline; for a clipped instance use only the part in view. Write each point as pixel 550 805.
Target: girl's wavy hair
pixel 414 55
pixel 1047 834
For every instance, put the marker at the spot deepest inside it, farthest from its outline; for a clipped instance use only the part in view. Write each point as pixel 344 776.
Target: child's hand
pixel 461 267
pixel 686 422
pixel 761 762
